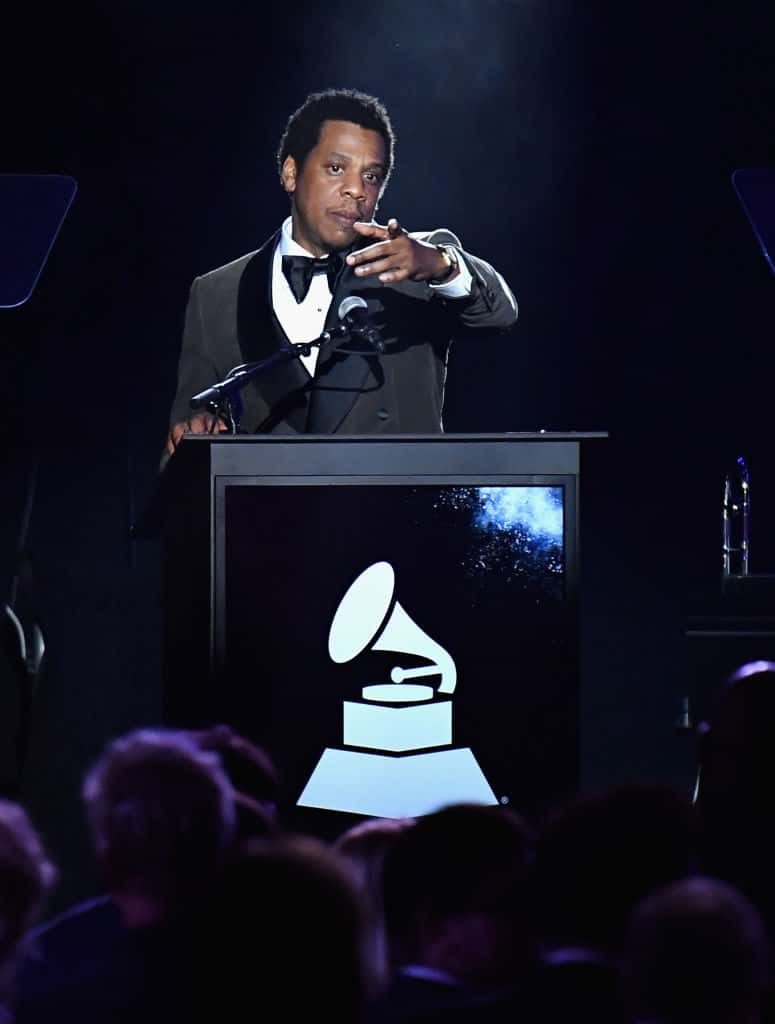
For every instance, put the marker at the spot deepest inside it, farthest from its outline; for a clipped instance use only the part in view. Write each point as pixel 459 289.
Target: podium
pixel 393 617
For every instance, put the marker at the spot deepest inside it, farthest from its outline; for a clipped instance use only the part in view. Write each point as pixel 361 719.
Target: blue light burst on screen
pixel 516 532
pixel 533 511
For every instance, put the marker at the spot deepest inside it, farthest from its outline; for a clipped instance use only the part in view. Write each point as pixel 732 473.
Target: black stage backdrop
pixel 585 149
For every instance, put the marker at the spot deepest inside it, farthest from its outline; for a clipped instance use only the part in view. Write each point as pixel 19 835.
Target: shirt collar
pixel 287 245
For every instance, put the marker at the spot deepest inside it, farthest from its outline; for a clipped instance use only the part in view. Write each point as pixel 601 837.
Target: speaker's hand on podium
pixel 199 423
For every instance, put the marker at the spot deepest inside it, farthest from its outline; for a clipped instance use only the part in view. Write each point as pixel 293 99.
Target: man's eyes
pixel 373 177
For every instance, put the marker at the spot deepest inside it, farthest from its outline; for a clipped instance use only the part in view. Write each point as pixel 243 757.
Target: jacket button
pixel 383 414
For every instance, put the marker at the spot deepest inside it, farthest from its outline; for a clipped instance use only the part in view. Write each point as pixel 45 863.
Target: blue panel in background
pixel 32 210
pixel 755 187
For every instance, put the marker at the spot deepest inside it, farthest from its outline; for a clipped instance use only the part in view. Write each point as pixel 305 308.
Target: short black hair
pixel 302 132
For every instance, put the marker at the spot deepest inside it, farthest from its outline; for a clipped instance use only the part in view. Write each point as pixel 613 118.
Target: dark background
pixel 584 148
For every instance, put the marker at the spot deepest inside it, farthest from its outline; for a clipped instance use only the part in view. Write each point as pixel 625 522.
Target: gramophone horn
pixel 361 621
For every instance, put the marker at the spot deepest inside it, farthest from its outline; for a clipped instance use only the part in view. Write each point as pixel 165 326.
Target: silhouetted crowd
pixel 634 905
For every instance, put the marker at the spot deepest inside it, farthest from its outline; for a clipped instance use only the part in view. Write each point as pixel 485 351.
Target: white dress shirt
pixel 304 321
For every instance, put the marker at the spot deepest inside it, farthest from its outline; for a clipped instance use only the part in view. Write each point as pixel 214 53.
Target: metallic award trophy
pixel 755 190
pixel 736 520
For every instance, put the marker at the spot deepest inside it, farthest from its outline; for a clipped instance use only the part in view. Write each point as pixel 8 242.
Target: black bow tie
pixel 299 271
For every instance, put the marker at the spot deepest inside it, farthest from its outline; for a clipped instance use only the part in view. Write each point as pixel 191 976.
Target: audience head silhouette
pixel 162 815
pixel 696 953
pixel 26 877
pixel 455 895
pixel 285 920
pixel 600 854
pixel 253 775
pixel 734 799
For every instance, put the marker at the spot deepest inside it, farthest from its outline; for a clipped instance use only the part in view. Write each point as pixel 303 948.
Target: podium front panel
pixel 395 621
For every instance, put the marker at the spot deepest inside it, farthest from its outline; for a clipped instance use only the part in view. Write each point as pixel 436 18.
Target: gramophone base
pixel 395 787
pixel 395 729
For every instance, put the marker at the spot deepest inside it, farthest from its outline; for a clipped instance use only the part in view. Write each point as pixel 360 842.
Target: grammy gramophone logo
pixel 397 758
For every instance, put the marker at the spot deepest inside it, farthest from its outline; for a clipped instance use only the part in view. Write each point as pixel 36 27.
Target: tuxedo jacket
pixel 230 321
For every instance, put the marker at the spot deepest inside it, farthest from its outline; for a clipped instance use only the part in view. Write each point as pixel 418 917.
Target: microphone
pixel 354 312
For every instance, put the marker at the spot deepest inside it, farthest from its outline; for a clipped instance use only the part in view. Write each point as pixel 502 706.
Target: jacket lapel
pixel 283 389
pixel 340 377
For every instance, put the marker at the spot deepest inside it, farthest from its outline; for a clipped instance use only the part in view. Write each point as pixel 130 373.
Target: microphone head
pixel 354 312
pixel 351 303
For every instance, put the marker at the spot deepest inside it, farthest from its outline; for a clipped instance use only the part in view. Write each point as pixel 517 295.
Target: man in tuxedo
pixel 421 290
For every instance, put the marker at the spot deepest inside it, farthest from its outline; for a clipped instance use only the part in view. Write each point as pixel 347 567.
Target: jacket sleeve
pixel 491 304
pixel 196 367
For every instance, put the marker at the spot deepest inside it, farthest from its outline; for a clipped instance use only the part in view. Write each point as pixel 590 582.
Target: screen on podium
pixel 401 644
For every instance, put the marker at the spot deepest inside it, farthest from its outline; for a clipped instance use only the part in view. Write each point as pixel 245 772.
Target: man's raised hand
pixel 395 255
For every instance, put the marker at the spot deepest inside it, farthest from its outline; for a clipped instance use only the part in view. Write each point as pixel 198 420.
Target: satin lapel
pixel 340 378
pixel 282 389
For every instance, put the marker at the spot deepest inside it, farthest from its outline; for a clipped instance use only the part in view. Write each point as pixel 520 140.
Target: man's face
pixel 339 183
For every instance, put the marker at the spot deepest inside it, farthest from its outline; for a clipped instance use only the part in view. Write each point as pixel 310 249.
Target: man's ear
pixel 288 176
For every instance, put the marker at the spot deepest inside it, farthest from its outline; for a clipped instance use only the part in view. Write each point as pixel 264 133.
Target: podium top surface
pixel 486 459
pixel 515 435
pixel 375 455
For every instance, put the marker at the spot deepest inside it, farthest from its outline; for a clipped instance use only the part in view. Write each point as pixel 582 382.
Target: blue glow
pixel 537 511
pixel 516 532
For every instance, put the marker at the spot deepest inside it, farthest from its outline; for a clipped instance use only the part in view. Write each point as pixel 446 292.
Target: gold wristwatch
pixel 451 259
